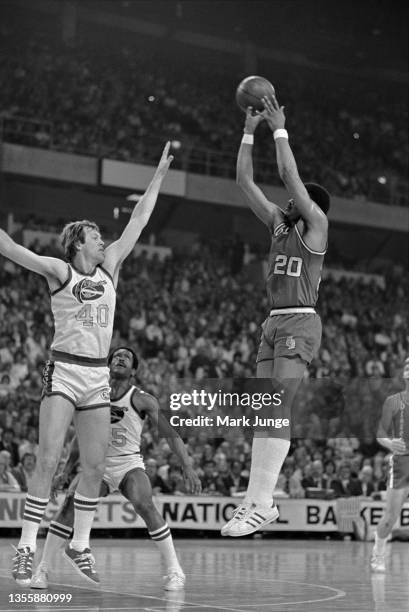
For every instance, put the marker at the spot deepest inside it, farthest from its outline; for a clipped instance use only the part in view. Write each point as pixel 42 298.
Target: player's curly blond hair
pixel 72 233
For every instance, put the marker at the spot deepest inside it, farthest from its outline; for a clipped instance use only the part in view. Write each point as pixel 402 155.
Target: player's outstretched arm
pixel 120 249
pixel 150 405
pixel 265 210
pixel 287 167
pixel 50 267
pixel 395 445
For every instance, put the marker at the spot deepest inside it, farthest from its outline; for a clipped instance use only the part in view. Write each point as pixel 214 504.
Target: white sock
pixel 57 535
pixel 84 512
pixel 380 544
pixel 163 540
pixel 34 509
pixel 267 457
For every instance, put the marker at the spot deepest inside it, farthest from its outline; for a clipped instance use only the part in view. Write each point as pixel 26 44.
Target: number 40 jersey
pixel 83 309
pixel 294 272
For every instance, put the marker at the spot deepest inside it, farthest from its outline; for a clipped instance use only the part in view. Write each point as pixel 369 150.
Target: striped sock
pixel 163 540
pixel 34 509
pixel 84 511
pixel 56 536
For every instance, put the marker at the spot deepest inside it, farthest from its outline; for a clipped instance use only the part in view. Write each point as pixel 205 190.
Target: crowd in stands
pixel 124 100
pixel 191 320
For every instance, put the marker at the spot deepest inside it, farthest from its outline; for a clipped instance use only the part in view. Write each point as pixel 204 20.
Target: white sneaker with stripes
pixel 249 518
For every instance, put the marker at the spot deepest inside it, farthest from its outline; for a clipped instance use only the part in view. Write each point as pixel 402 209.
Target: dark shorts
pixel 398 472
pixel 292 335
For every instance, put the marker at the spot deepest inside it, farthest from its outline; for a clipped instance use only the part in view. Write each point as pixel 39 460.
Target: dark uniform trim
pixel 67 397
pixel 92 406
pixel 65 283
pixel 78 359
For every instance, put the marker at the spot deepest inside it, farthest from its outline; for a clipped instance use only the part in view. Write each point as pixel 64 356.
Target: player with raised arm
pixel 125 468
pixel 291 334
pixel 393 434
pixel 76 379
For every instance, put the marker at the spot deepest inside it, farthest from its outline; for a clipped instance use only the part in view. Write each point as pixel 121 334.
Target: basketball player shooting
pixel 291 334
pixel 76 378
pixel 393 434
pixel 125 472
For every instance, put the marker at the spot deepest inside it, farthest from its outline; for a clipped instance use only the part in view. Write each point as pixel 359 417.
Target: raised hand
pixel 164 162
pixel 273 113
pixel 252 121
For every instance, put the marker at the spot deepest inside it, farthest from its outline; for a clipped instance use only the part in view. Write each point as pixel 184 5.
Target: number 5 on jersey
pixel 89 314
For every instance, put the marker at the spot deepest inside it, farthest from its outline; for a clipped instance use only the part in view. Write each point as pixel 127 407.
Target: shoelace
pixel 88 557
pixel 21 558
pixel 172 575
pixel 242 512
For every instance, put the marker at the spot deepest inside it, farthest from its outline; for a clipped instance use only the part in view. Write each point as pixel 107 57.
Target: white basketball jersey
pixel 126 430
pixel 83 309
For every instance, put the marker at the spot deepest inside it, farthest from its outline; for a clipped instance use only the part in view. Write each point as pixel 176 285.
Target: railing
pixel 41 133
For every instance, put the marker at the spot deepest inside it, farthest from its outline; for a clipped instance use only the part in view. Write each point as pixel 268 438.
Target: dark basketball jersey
pixel 400 419
pixel 294 269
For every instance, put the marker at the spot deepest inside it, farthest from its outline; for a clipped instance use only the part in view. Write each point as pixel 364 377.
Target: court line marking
pixel 161 599
pixel 214 606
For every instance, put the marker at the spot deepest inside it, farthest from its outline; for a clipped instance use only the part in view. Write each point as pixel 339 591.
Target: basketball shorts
pixel 290 335
pixel 116 468
pixel 398 472
pixel 87 387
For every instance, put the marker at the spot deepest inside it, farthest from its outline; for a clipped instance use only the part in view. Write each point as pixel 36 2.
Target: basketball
pixel 251 90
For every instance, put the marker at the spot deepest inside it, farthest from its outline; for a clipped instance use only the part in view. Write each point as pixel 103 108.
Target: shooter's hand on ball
pixel 273 113
pixel 252 121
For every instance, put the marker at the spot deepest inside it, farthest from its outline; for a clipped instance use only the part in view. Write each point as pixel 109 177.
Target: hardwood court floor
pixel 251 575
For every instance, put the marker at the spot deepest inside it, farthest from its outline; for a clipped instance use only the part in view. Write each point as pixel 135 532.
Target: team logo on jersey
pixel 290 342
pixel 283 228
pixel 106 394
pixel 87 290
pixel 117 413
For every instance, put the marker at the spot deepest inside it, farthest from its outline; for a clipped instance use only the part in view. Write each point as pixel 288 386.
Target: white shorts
pixel 86 387
pixel 117 468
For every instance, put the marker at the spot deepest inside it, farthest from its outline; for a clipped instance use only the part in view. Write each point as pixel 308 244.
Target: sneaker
pixel 378 562
pixel 83 562
pixel 174 581
pixel 238 514
pixel 40 578
pixel 249 519
pixel 23 565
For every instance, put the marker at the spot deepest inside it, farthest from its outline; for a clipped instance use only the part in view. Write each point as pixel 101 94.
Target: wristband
pixel 280 133
pixel 247 139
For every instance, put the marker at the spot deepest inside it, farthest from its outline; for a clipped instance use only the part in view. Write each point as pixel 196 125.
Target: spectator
pixel 288 482
pixel 23 473
pixel 7 443
pixel 30 445
pixel 366 479
pixel 7 480
pixel 345 485
pixel 316 479
pixel 209 478
pixel 157 483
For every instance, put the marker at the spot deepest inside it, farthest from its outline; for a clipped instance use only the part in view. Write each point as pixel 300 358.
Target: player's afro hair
pixel 319 195
pixel 135 360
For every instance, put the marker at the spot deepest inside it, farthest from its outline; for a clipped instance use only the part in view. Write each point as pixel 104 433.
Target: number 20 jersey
pixel 83 309
pixel 294 271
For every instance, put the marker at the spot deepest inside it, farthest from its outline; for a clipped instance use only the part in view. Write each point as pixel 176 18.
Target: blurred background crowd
pixel 123 100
